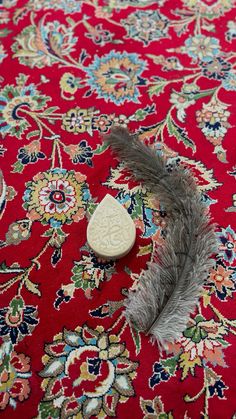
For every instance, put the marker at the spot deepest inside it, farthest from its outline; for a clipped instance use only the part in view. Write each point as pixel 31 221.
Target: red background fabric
pixel 165 69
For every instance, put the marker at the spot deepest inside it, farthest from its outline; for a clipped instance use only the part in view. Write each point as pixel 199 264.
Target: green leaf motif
pixel 77 270
pixel 90 208
pixel 21 79
pixel 137 339
pixel 179 133
pixel 48 233
pixel 195 333
pixel 13 269
pixel 199 95
pixel 210 27
pixel 127 270
pixel 34 133
pixel 78 279
pixel 17 167
pixel 4 32
pixel 16 304
pixel 100 149
pixel 3 267
pixel 41 100
pixel 32 287
pixel 70 21
pixel 50 110
pixel 60 232
pixel 199 318
pixel 223 342
pixel 145 250
pixel 111 81
pixel 156 89
pixel 141 114
pixel 136 206
pixel 170 364
pixel 164 415
pixel 47 410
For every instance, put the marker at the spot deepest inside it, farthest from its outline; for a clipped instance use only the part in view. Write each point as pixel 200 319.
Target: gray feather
pixel 169 289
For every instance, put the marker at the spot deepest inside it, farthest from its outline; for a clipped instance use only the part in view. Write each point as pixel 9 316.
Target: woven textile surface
pixel 70 71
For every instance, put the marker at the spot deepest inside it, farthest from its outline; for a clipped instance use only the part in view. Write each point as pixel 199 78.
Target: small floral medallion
pixel 56 196
pixel 87 373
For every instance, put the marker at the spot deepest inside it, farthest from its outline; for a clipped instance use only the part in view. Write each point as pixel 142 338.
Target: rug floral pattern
pixel 70 71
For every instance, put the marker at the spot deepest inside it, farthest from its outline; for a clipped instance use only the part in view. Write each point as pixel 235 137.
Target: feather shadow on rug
pixel 169 289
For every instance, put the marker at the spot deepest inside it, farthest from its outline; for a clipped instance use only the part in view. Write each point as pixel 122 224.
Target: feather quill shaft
pixel 169 289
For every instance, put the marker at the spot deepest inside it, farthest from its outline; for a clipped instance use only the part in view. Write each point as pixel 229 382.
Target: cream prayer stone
pixel 111 231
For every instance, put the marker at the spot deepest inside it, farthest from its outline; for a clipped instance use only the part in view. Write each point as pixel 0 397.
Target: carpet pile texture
pixel 71 70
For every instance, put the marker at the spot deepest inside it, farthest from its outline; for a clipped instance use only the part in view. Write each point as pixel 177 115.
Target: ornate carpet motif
pixel 70 71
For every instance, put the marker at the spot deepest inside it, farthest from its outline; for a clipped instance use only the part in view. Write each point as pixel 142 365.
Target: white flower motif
pixel 201 47
pixel 57 197
pixel 181 102
pixel 199 349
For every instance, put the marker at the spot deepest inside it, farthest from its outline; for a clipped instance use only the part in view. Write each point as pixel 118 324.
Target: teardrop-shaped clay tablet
pixel 111 231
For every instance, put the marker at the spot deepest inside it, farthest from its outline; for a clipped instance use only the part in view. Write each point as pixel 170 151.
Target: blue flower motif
pixel 86 194
pixel 203 48
pixel 61 297
pixel 57 38
pixel 115 77
pixel 207 200
pixel 81 153
pixel 26 156
pixel 26 195
pixel 72 6
pixel 216 69
pixel 106 361
pixel 229 83
pixel 54 223
pixel 63 36
pixel 58 170
pixel 217 389
pixel 150 227
pixel 138 210
pixel 100 36
pixel 29 90
pixel 17 320
pixel 11 99
pixel 227 244
pixel 160 374
pixel 68 6
pixel 105 310
pixel 55 195
pixel 146 26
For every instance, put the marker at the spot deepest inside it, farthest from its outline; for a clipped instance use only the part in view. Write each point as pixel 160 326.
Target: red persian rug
pixel 71 70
